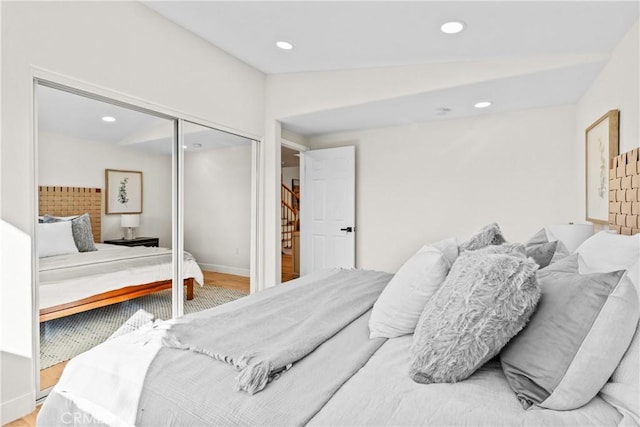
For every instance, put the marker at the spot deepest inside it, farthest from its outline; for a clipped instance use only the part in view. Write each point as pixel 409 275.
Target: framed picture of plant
pixel 601 146
pixel 123 192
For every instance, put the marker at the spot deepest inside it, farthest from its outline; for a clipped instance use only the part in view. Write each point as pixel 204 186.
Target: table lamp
pixel 129 222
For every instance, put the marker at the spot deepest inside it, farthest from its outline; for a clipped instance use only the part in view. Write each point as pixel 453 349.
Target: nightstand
pixel 138 241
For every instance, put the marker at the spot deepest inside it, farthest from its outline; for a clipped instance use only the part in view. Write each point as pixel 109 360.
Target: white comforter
pixel 484 399
pixel 348 380
pixel 67 278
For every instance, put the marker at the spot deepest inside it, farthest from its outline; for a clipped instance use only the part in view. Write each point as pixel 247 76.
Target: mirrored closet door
pixel 141 216
pixel 217 214
pixel 104 234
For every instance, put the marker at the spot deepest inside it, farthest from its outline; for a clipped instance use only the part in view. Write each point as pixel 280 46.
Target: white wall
pixel 289 173
pixel 217 208
pixel 16 391
pixel 617 87
pixel 65 161
pixel 421 183
pixel 121 46
pixel 300 93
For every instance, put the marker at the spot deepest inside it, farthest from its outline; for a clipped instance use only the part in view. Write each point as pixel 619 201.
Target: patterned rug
pixel 62 339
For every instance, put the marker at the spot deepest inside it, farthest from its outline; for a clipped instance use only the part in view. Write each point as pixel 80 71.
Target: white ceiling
pixel 80 117
pixel 332 35
pixel 289 157
pixel 69 114
pixel 507 94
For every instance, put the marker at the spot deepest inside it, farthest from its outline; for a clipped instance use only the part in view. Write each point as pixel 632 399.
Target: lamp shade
pixel 132 220
pixel 572 235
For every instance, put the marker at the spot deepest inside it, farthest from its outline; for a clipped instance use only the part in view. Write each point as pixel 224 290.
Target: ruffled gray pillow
pixel 486 236
pixel 486 299
pixel 81 229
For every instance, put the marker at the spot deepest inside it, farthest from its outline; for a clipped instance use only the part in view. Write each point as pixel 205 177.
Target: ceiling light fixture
pixel 452 27
pixel 284 45
pixel 482 104
pixel 108 119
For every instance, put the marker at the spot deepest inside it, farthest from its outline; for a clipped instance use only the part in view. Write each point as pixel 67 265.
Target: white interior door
pixel 327 209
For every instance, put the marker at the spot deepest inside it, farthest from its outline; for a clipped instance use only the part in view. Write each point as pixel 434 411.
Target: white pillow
pixel 55 238
pixel 604 252
pixel 607 251
pixel 398 309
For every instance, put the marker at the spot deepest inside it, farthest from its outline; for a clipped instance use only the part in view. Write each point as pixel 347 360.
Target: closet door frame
pixel 54 80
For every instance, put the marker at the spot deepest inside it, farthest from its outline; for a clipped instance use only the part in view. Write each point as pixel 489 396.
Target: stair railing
pixel 289 215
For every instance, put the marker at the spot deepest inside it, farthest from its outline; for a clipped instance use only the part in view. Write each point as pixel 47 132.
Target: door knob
pixel 347 229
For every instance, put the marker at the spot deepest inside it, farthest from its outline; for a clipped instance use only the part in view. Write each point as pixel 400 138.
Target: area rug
pixel 62 339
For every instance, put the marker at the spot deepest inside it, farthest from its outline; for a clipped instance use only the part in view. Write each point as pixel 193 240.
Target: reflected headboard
pixel 624 193
pixel 67 201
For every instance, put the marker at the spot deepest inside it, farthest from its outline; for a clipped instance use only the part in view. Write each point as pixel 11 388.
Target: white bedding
pixel 348 380
pixel 67 278
pixel 484 399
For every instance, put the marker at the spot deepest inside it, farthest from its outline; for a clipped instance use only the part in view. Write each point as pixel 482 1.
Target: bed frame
pixel 624 193
pixel 67 201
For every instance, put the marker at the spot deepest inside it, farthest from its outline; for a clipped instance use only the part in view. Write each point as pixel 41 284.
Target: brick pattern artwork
pixel 624 193
pixel 68 201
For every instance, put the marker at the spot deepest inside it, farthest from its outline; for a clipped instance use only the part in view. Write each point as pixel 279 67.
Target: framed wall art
pixel 123 192
pixel 601 145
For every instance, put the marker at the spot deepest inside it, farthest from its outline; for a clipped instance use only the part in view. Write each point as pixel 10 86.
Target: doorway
pixel 290 209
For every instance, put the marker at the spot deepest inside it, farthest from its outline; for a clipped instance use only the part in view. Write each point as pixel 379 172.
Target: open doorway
pixel 290 209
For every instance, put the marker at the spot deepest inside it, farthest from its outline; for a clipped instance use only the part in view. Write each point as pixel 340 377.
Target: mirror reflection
pixel 104 232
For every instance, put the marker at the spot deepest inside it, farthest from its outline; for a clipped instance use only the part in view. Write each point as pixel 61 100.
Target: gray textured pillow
pixel 576 338
pixel 488 235
pixel 485 300
pixel 545 252
pixel 81 229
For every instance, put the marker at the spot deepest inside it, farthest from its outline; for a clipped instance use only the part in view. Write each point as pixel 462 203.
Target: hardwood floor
pixel 27 420
pixel 287 268
pixel 50 376
pixel 224 280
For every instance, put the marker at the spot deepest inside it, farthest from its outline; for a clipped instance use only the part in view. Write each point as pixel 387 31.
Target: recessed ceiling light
pixel 284 45
pixel 185 147
pixel 482 104
pixel 108 119
pixel 452 27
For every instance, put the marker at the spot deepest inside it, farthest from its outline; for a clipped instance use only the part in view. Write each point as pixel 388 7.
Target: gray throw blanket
pixel 280 330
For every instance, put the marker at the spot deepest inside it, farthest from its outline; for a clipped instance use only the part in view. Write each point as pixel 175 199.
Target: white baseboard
pixel 17 408
pixel 226 269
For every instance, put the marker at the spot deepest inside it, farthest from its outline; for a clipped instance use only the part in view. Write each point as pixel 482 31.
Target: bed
pixel 314 351
pixel 77 282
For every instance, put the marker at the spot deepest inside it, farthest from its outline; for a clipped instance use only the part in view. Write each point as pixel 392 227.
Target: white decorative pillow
pixel 397 310
pixel 55 239
pixel 607 251
pixel 80 228
pixel 622 391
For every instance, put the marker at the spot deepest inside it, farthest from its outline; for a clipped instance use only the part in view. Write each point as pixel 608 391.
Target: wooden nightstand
pixel 138 241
